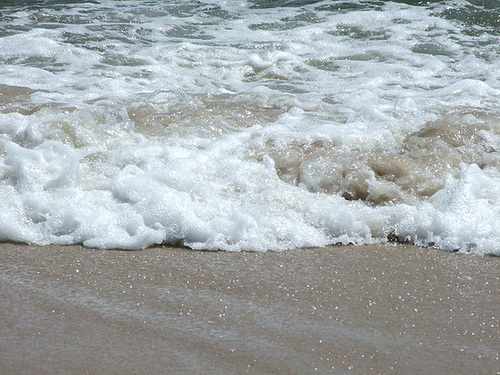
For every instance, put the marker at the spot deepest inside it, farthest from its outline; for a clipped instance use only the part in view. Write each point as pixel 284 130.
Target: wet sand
pixel 359 310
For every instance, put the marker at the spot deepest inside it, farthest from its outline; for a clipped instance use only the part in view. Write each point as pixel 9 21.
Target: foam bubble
pixel 228 126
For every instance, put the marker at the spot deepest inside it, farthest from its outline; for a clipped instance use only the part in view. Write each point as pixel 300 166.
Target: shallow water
pixel 250 125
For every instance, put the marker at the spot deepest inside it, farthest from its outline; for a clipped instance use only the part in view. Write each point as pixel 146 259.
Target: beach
pixel 251 186
pixel 339 309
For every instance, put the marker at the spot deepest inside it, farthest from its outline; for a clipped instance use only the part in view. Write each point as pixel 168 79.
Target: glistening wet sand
pixel 361 310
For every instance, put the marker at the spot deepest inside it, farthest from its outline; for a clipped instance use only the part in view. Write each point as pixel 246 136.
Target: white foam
pixel 248 129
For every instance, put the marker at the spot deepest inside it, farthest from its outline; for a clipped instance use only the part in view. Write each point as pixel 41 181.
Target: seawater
pixel 250 125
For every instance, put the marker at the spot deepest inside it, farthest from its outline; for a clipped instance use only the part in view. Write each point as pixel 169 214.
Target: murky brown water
pixel 414 169
pixel 361 310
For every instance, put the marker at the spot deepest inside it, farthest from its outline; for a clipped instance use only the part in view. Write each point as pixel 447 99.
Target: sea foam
pixel 241 127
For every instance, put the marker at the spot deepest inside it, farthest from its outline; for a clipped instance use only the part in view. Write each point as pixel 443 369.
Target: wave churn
pixel 250 126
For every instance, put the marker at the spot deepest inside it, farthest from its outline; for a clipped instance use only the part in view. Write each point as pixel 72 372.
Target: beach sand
pixel 340 309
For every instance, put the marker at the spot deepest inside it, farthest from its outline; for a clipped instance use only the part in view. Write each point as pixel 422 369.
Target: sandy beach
pixel 341 309
pixel 249 125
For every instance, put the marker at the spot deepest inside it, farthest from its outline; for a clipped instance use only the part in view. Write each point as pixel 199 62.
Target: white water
pixel 129 124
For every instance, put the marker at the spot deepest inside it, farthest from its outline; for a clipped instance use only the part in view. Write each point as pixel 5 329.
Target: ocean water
pixel 250 125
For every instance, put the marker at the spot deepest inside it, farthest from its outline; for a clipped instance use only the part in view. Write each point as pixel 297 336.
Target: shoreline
pixel 357 309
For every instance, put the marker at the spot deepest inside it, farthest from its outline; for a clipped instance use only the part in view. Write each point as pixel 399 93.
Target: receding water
pixel 250 125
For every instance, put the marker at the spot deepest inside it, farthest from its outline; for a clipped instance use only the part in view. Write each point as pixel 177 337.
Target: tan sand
pixel 359 310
